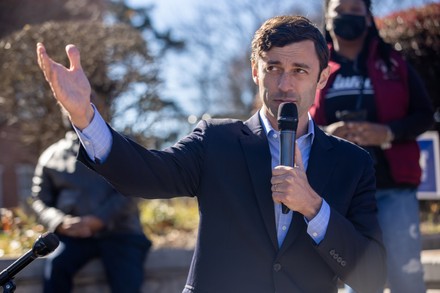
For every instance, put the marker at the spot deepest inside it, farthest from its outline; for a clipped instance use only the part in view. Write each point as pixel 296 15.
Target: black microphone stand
pixel 7 275
pixel 9 286
pixel 44 245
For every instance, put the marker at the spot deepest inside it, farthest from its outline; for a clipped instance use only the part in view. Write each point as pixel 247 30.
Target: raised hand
pixel 70 86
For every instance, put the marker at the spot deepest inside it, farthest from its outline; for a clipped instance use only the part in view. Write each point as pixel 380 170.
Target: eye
pixel 300 71
pixel 272 68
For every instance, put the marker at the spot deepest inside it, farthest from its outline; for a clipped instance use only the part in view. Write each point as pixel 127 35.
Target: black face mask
pixel 349 27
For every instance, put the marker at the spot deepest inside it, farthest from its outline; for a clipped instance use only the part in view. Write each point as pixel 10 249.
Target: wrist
pixel 82 121
pixel 315 208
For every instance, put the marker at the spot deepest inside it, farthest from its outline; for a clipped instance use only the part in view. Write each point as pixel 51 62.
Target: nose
pixel 285 82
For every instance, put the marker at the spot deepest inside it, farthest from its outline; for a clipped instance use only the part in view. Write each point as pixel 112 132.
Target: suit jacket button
pixel 332 252
pixel 277 267
pixel 343 263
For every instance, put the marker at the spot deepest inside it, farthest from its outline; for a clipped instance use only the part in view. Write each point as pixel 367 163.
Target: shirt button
pixel 277 267
pixel 275 135
pixel 284 228
pixel 86 142
pixel 315 234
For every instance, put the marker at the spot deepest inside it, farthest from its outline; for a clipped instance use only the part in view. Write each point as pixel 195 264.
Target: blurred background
pixel 156 68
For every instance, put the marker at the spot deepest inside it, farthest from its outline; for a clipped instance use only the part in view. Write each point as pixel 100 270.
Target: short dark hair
pixel 280 31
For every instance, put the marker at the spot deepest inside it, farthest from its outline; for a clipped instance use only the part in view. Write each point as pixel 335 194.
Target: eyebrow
pixel 295 64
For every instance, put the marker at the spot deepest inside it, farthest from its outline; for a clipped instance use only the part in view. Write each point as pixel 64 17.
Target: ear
pixel 323 78
pixel 255 72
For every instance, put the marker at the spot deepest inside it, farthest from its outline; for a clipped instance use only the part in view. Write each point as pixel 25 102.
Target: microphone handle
pixel 287 154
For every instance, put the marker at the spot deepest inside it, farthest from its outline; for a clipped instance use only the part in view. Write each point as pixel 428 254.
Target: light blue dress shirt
pixel 317 227
pixel 97 141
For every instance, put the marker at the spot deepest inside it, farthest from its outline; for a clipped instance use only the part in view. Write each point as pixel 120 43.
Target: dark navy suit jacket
pixel 226 164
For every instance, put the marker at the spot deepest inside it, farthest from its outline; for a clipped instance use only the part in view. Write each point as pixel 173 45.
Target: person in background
pixel 245 242
pixel 376 100
pixel 91 219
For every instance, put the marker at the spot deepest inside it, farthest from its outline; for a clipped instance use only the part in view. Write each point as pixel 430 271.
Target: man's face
pixel 288 74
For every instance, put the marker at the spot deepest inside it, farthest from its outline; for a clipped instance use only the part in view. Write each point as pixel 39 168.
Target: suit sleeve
pixel 352 246
pixel 136 171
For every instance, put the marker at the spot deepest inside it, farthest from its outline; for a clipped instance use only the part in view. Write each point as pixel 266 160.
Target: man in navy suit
pixel 245 243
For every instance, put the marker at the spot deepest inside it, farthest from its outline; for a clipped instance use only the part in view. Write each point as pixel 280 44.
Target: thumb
pixel 74 57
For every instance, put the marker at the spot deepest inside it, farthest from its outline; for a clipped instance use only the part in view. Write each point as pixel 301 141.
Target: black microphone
pixel 287 124
pixel 45 244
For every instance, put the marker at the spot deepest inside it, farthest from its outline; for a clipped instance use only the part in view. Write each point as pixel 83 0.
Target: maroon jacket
pixel 392 103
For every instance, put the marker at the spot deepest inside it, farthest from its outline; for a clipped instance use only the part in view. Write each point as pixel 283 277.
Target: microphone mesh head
pixel 287 116
pixel 45 244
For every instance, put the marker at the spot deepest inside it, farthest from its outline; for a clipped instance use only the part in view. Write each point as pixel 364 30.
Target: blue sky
pixel 171 14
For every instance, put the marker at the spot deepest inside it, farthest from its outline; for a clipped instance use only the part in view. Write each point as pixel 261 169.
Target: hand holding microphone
pixel 289 180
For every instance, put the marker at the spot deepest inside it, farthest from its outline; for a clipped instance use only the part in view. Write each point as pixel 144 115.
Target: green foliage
pixel 167 222
pixel 159 216
pixel 18 231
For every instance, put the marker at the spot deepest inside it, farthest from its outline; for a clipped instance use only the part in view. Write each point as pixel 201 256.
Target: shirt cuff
pixel 317 227
pixel 96 138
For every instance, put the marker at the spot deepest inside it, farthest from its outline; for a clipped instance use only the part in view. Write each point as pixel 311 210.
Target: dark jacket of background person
pixel 62 186
pixel 91 219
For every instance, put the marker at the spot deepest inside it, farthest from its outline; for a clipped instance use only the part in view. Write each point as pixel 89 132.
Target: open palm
pixel 70 86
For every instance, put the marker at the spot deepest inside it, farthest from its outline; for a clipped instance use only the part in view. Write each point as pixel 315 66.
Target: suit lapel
pixel 321 164
pixel 258 158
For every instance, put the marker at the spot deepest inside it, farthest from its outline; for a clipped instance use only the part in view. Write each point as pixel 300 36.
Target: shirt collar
pixel 268 127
